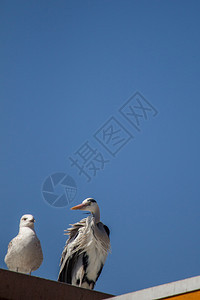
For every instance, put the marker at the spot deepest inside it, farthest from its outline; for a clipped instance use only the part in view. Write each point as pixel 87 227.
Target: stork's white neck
pixel 96 215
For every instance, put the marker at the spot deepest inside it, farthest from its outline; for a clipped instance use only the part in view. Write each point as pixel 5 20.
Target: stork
pixel 86 249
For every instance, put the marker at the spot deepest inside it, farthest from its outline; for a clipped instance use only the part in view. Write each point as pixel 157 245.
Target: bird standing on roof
pixel 86 249
pixel 24 253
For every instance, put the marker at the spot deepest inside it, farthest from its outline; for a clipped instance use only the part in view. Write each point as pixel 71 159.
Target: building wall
pixel 188 296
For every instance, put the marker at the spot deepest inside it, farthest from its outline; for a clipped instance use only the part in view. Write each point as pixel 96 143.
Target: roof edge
pixel 165 290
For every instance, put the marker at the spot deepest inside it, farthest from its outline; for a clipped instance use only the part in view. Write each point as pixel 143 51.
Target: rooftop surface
pixel 20 286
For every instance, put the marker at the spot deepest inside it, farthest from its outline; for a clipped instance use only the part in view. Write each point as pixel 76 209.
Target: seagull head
pixel 88 204
pixel 27 221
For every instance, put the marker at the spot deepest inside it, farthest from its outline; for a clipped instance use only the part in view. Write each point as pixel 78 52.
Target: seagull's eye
pixel 24 219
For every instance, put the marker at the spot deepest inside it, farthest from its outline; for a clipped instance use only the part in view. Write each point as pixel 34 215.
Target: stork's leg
pixel 91 286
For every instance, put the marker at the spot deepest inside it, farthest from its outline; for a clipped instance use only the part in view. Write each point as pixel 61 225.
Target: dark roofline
pixel 20 286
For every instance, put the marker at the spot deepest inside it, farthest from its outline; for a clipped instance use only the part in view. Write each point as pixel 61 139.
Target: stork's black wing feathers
pixel 107 230
pixel 66 273
pixel 66 268
pixel 98 274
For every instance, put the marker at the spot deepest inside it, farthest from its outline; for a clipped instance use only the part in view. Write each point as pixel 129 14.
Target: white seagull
pixel 86 249
pixel 24 253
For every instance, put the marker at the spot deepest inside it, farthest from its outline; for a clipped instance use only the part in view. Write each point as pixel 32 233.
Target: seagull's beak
pixel 80 206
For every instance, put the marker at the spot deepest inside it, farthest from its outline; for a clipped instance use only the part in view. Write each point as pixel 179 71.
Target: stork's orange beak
pixel 80 206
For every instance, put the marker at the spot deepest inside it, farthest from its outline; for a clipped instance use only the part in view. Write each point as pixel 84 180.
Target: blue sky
pixel 67 68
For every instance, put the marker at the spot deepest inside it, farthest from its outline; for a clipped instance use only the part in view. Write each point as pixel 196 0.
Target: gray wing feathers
pixel 69 256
